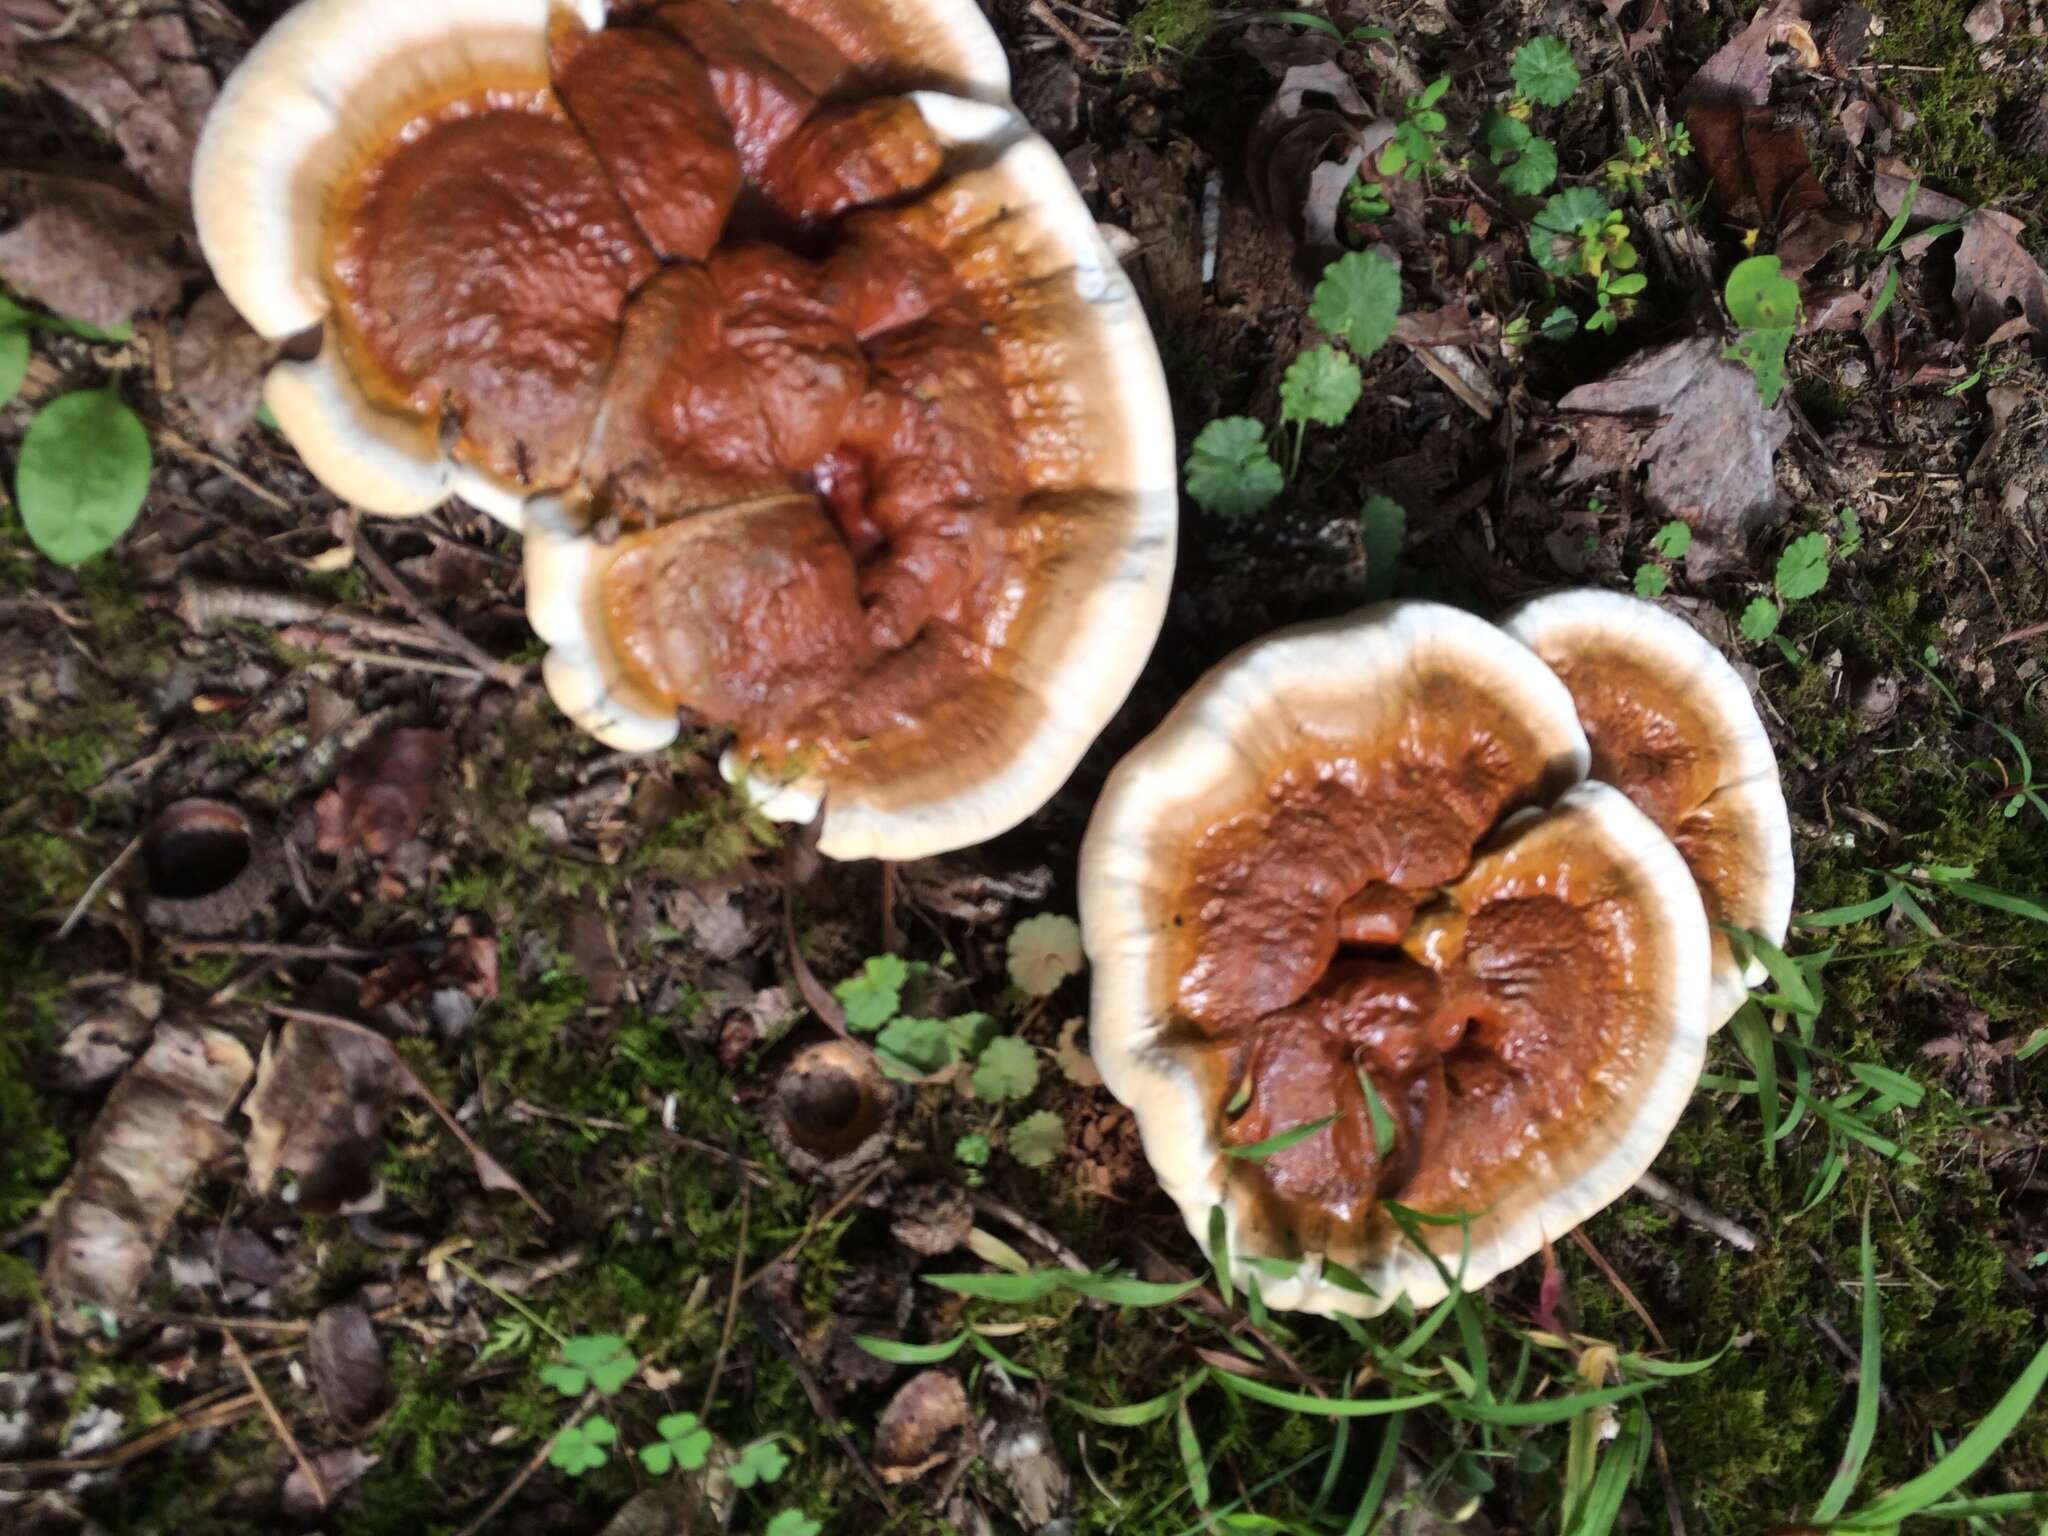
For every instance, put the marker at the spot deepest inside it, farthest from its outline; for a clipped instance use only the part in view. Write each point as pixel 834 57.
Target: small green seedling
pixel 872 998
pixel 1357 300
pixel 1669 542
pixel 1527 161
pixel 1321 386
pixel 1802 572
pixel 581 1448
pixel 1036 1139
pixel 1007 1071
pixel 1764 303
pixel 1417 145
pixel 1578 234
pixel 972 1151
pixel 761 1462
pixel 597 1362
pixel 1614 298
pixel 1230 470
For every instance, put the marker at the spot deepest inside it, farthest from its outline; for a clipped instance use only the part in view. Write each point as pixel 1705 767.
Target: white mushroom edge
pixel 1209 739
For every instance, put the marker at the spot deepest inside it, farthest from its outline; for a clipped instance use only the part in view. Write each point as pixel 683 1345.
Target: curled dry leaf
pixel 1712 454
pixel 317 1112
pixel 1764 179
pixel 1778 35
pixel 381 795
pixel 160 1126
pixel 141 84
pixel 1016 1442
pixel 91 253
pixel 1305 148
pixel 217 365
pixel 2000 291
pixel 468 963
pixel 340 1469
pixel 346 1361
pixel 927 1425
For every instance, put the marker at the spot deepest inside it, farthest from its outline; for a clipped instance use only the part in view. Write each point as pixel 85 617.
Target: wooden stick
pixel 1619 1286
pixel 349 526
pixel 533 1465
pixel 1729 1232
pixel 212 1416
pixel 811 1227
pixel 732 1301
pixel 92 892
pixel 283 1430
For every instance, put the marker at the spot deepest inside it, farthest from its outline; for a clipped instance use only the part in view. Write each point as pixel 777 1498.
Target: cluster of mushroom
pixel 1455 896
pixel 826 413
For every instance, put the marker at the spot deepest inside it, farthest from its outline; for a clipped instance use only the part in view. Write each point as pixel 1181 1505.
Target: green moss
pixel 1174 26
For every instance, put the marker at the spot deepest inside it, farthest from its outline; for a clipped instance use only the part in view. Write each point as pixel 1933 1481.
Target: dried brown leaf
pixel 381 795
pixel 91 253
pixel 217 365
pixel 2000 290
pixel 340 1469
pixel 159 1127
pixel 143 86
pixel 1711 459
pixel 346 1362
pixel 1740 72
pixel 317 1112
pixel 927 1425
pixel 1764 179
pixel 467 963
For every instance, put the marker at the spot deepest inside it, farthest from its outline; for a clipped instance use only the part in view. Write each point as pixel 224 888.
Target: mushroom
pixel 1673 727
pixel 1350 857
pixel 829 415
pixel 443 207
pixel 902 515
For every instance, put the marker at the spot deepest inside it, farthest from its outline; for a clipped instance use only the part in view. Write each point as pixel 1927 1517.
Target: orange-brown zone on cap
pixel 1337 928
pixel 666 284
pixel 1656 745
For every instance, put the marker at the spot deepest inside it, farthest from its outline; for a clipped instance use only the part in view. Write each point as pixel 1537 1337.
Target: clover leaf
pixel 1230 471
pixel 684 1443
pixel 1320 385
pixel 1008 1070
pixel 1544 72
pixel 872 998
pixel 761 1462
pixel 792 1522
pixel 1358 300
pixel 579 1448
pixel 599 1360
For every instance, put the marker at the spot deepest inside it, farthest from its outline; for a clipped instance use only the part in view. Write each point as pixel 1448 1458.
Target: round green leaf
pixel 1543 71
pixel 1229 470
pixel 1535 168
pixel 1357 300
pixel 13 361
pixel 82 474
pixel 1760 297
pixel 1554 238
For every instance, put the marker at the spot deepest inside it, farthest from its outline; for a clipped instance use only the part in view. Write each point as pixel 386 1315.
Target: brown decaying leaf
pixel 1740 72
pixel 346 1361
pixel 317 1112
pixel 111 1031
pixel 1711 457
pixel 381 795
pixel 91 253
pixel 926 1426
pixel 159 1127
pixel 340 1468
pixel 217 365
pixel 142 85
pixel 468 963
pixel 1764 179
pixel 1305 148
pixel 2001 291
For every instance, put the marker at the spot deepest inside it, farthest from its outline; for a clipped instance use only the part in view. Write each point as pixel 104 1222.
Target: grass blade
pixel 1971 1452
pixel 1035 1286
pixel 1259 1151
pixel 1123 1291
pixel 1897 227
pixel 1340 1442
pixel 1219 1252
pixel 1884 1080
pixel 2003 901
pixel 1324 1407
pixel 1191 1456
pixel 1752 1032
pixel 1863 1427
pixel 896 1352
pixel 1383 1130
pixel 1550 1410
pixel 1131 1415
pixel 1841 917
pixel 1376 1485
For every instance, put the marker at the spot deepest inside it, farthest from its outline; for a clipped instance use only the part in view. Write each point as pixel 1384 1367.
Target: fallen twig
pixel 233 1347
pixel 213 1415
pixel 533 1464
pixel 1736 1236
pixel 1620 1286
pixel 811 1227
pixel 204 607
pixel 100 882
pixel 348 526
pixel 732 1300
pixel 821 1401
pixel 988 1205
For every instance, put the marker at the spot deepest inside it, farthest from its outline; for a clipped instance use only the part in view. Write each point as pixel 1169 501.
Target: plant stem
pixel 508 1298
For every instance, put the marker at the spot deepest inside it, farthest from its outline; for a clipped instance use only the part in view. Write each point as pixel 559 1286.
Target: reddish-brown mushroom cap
pixel 1332 867
pixel 1672 725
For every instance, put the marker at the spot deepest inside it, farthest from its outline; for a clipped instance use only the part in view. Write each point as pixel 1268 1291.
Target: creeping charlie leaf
pixel 1544 72
pixel 82 474
pixel 1803 568
pixel 1044 951
pixel 1759 620
pixel 1560 234
pixel 1230 471
pixel 1036 1139
pixel 1321 385
pixel 1651 580
pixel 1672 540
pixel 1008 1070
pixel 1533 170
pixel 872 998
pixel 1358 300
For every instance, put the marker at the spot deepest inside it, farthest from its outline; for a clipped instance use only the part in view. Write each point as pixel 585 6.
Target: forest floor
pixel 598 966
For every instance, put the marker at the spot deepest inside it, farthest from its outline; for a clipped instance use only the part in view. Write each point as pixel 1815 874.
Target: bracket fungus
pixel 827 413
pixel 1672 726
pixel 1367 942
